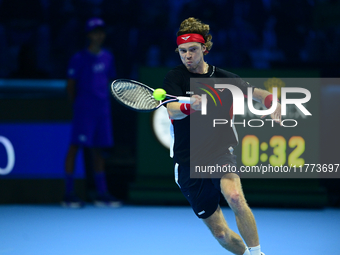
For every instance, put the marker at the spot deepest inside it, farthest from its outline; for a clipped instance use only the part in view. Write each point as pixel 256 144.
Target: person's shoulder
pixel 79 55
pixel 221 73
pixel 225 73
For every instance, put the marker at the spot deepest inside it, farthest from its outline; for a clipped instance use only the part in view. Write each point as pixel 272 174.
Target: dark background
pixel 37 38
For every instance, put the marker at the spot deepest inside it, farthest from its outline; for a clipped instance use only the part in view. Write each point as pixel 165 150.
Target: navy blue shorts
pixel 203 194
pixel 92 128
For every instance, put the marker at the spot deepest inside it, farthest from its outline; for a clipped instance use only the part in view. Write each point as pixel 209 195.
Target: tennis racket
pixel 138 96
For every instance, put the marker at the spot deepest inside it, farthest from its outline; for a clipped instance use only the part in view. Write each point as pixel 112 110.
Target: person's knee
pixel 235 197
pixel 236 200
pixel 222 235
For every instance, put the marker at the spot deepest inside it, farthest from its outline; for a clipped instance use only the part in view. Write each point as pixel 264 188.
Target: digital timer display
pixel 274 152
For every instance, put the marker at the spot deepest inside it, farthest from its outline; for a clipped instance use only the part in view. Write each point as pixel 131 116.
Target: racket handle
pixel 185 100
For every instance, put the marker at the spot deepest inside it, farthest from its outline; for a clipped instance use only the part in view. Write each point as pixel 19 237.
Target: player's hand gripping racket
pixel 139 97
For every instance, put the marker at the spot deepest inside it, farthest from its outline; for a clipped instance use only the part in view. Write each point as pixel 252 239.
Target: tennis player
pixel 89 73
pixel 194 41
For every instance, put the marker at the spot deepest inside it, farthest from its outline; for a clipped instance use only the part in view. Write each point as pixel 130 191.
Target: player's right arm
pixel 177 110
pixel 173 85
pixel 174 111
pixel 71 89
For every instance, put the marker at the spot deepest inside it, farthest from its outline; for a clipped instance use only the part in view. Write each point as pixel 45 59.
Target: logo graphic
pixel 209 93
pixel 185 38
pixel 238 100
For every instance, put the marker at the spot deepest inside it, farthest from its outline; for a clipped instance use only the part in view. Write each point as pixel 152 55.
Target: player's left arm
pixel 265 97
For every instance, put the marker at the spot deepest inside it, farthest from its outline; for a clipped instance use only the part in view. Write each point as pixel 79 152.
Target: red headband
pixel 190 38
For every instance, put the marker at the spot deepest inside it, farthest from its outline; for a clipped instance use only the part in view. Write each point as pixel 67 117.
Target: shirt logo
pixel 97 68
pixel 185 38
pixel 82 138
pixel 71 71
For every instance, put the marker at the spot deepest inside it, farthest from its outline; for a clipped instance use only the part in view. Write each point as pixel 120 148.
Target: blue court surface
pixel 53 230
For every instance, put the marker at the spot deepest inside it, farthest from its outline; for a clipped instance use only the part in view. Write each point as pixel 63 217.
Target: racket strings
pixel 134 95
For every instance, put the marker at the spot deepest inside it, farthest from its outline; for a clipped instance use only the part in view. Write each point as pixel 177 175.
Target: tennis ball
pixel 159 94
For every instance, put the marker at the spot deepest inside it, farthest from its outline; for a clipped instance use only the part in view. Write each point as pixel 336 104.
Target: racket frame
pixel 170 99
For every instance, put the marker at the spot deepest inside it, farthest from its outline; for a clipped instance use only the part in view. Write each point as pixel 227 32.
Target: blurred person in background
pixel 89 73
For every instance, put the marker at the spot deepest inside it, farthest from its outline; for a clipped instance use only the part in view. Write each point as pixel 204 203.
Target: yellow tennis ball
pixel 159 94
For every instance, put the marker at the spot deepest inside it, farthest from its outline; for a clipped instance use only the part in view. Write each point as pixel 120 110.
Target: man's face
pixel 191 54
pixel 97 36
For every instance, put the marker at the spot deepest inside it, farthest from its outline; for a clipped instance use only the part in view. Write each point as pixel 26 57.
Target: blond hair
pixel 195 26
